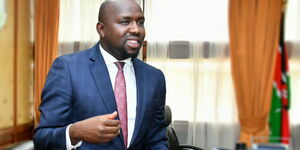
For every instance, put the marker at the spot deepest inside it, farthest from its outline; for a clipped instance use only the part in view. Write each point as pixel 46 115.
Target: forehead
pixel 125 8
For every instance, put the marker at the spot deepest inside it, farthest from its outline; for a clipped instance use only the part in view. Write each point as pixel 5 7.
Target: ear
pixel 100 29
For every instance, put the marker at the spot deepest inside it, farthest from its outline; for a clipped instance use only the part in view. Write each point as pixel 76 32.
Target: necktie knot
pixel 120 65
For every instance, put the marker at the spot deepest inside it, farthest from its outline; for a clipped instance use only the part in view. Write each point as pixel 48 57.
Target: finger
pixel 113 123
pixel 112 115
pixel 111 130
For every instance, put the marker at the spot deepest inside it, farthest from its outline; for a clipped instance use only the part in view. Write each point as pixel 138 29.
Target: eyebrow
pixel 128 17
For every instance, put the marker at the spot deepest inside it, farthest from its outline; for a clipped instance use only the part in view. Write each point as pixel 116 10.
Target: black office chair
pixel 173 142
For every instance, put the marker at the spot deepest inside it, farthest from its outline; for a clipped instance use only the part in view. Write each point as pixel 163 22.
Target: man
pixel 85 95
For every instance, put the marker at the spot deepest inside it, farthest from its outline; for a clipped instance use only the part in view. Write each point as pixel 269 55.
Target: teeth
pixel 132 41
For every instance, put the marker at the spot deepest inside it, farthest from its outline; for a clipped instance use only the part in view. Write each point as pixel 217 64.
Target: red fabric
pixel 285 128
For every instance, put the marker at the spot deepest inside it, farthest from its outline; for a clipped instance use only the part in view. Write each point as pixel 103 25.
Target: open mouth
pixel 133 43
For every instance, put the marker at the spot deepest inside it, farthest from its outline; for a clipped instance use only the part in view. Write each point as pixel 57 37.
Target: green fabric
pixel 275 116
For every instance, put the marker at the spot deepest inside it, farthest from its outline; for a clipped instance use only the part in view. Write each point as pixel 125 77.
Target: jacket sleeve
pixel 55 108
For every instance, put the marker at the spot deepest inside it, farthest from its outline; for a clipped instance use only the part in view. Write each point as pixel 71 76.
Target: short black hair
pixel 101 11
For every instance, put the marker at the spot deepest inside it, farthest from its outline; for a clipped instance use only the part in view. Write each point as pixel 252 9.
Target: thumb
pixel 112 115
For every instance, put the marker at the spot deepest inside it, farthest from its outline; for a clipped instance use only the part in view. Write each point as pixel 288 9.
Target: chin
pixel 134 55
pixel 132 52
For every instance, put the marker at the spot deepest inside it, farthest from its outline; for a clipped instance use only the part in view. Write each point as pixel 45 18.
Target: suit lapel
pixel 101 77
pixel 141 97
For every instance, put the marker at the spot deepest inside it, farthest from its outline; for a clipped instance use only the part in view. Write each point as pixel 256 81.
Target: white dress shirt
pixel 130 92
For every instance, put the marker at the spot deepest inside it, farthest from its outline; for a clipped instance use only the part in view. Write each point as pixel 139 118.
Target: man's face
pixel 123 29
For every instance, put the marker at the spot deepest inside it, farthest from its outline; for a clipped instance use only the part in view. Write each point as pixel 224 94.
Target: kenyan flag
pixel 279 118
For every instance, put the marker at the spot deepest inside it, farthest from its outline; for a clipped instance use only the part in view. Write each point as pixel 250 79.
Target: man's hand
pixel 98 129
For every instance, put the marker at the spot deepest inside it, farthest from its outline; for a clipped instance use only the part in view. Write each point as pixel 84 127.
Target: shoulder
pixel 74 57
pixel 146 67
pixel 150 72
pixel 81 57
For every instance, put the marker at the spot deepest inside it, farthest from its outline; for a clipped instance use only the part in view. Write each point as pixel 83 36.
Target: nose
pixel 135 28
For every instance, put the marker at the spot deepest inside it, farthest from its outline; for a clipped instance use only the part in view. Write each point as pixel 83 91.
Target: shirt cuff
pixel 68 140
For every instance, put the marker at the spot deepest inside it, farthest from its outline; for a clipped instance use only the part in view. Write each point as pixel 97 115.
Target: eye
pixel 125 22
pixel 141 22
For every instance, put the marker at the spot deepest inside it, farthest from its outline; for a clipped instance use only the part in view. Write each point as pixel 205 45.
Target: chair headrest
pixel 168 115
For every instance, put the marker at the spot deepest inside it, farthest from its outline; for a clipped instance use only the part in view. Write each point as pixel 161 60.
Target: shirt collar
pixel 109 59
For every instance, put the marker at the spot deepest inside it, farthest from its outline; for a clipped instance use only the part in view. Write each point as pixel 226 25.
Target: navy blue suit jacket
pixel 78 87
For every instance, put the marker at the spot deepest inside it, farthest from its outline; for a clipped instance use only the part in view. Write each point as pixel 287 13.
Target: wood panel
pixel 24 65
pixel 6 66
pixel 16 134
pixel 144 54
pixel 16 77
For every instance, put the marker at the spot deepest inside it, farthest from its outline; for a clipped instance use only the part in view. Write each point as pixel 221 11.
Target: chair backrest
pixel 168 115
pixel 173 142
